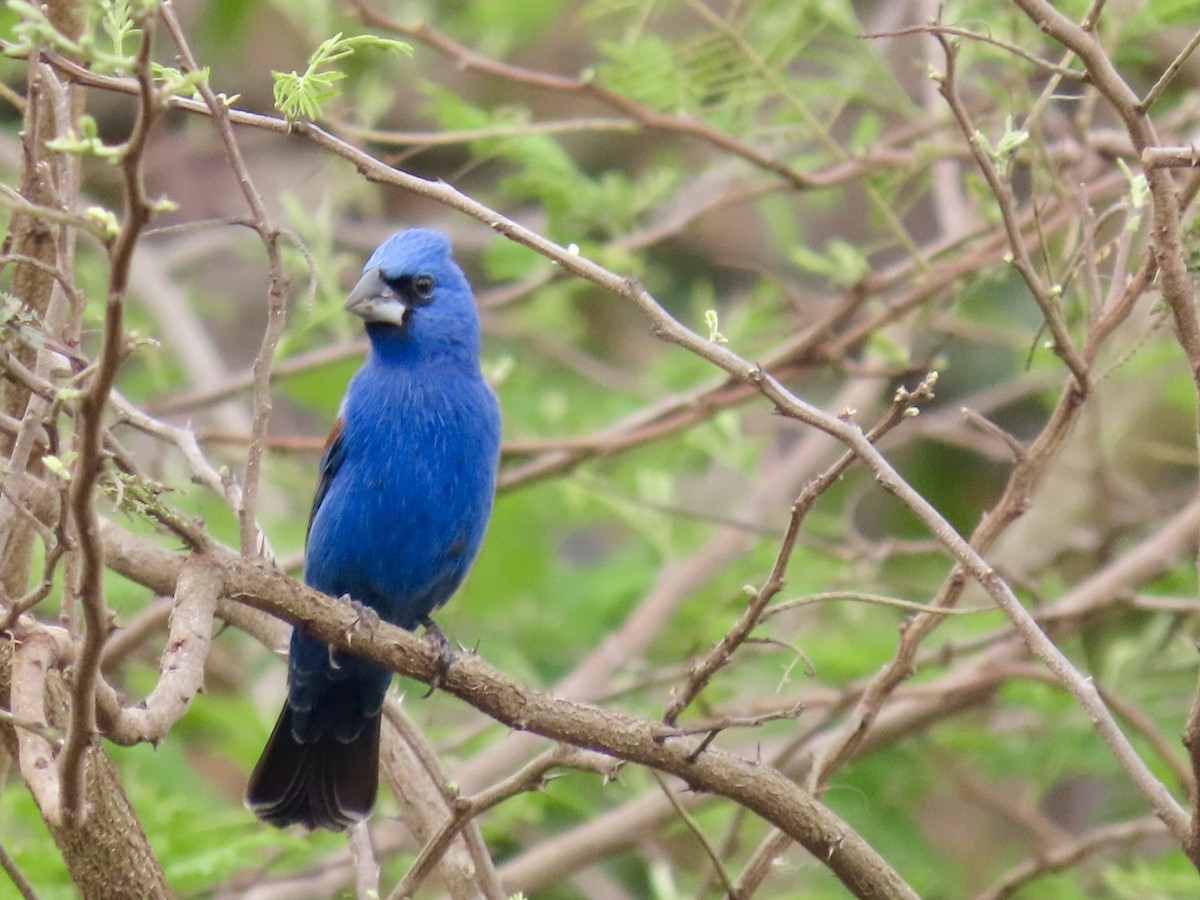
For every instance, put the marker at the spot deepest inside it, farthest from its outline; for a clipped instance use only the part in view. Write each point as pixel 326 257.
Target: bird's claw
pixel 445 652
pixel 368 618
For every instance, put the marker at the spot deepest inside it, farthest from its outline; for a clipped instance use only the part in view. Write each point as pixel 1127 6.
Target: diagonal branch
pixel 702 672
pixel 1047 300
pixel 1177 284
pixel 762 789
pixel 469 59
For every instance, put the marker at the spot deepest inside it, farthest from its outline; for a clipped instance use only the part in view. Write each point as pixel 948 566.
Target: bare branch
pixel 1177 283
pixel 16 876
pixel 936 28
pixel 694 827
pixel 464 809
pixel 1169 73
pixel 252 540
pixel 642 115
pixel 760 788
pixel 413 771
pixel 1046 298
pixel 704 670
pixel 1059 857
pixel 34 655
pixel 91 426
pixel 181 666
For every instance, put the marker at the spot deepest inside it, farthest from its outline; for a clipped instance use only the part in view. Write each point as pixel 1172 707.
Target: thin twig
pixel 185 440
pixel 413 770
pixel 761 862
pixel 1059 857
pixel 469 59
pixel 1177 283
pixel 1002 191
pixel 463 809
pixel 936 28
pixel 1169 73
pixel 694 827
pixel 702 672
pixel 234 385
pixel 423 139
pixel 16 876
pixel 82 725
pixel 50 735
pixel 252 539
pixel 876 599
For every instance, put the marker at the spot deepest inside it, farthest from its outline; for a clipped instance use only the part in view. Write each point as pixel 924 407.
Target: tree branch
pixel 181 666
pixel 90 461
pixel 252 539
pixel 760 788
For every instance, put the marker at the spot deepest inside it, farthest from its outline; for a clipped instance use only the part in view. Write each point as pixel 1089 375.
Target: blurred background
pixel 784 177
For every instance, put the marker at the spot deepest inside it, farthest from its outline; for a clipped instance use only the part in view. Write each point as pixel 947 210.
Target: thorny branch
pixel 760 788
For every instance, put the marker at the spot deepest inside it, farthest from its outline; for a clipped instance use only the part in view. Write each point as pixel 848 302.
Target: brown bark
pixel 107 854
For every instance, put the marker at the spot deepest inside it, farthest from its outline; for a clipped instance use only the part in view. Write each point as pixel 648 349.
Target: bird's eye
pixel 423 285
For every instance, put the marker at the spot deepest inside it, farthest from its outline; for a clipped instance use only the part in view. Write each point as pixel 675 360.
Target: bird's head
pixel 414 297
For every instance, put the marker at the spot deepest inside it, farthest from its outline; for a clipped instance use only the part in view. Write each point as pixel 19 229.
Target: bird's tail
pixel 322 783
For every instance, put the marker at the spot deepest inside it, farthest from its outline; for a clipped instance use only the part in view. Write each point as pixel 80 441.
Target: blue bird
pixel 404 497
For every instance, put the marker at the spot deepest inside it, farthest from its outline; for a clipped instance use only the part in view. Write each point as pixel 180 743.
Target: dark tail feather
pixel 325 783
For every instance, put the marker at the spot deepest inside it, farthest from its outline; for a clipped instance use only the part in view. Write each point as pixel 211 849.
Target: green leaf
pixel 841 263
pixel 300 96
pixel 712 321
pixel 60 466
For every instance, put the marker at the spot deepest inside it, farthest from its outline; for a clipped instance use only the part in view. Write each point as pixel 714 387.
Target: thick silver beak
pixel 374 301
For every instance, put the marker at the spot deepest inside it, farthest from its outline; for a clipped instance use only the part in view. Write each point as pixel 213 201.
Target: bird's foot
pixel 445 652
pixel 367 619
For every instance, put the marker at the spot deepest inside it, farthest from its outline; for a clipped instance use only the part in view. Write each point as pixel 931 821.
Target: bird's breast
pixel 404 514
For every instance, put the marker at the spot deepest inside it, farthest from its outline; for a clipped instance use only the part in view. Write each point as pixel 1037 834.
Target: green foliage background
pixel 568 557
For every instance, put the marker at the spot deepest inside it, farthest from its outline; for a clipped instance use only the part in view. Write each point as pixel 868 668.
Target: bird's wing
pixel 331 461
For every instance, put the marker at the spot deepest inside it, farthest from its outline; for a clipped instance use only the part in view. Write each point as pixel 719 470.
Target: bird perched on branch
pixel 403 500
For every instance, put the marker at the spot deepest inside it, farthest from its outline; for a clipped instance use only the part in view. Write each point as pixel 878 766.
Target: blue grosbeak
pixel 404 498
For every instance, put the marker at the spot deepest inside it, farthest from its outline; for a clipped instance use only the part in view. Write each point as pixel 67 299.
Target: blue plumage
pixel 403 501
